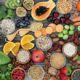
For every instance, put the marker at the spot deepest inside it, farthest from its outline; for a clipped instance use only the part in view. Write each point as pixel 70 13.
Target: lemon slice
pixel 26 39
pixel 16 48
pixel 8 47
pixel 28 46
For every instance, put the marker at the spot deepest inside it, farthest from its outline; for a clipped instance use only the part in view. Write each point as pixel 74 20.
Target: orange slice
pixel 53 26
pixel 49 30
pixel 26 39
pixel 37 33
pixel 16 48
pixel 12 36
pixel 59 28
pixel 22 32
pixel 43 31
pixel 28 46
pixel 8 47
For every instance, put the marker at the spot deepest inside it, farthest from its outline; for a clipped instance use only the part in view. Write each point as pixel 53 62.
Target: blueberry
pixel 29 16
pixel 26 19
pixel 28 23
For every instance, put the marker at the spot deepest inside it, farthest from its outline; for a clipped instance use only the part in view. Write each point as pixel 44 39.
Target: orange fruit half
pixel 28 46
pixel 26 39
pixel 16 48
pixel 8 47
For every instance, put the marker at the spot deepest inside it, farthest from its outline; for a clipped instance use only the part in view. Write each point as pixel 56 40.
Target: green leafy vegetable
pixel 4 59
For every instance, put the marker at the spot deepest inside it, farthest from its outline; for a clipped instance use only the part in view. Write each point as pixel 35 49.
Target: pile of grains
pixel 74 13
pixel 36 72
pixel 23 56
pixel 69 49
pixel 7 26
pixel 76 75
pixel 64 7
pixel 57 60
pixel 44 43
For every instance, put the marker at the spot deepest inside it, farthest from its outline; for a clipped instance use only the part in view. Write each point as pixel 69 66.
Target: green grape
pixel 71 32
pixel 78 28
pixel 65 37
pixel 72 27
pixel 65 31
pixel 60 35
pixel 66 27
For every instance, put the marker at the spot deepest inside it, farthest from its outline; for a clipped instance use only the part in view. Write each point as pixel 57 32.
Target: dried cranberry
pixel 67 21
pixel 56 21
pixel 55 14
pixel 67 16
pixel 62 19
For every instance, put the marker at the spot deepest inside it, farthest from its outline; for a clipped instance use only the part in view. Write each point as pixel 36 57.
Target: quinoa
pixel 36 72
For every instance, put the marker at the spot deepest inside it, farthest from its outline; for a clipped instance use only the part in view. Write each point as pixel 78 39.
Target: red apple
pixel 38 56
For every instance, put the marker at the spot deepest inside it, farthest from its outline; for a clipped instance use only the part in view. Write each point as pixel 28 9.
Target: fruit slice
pixel 10 37
pixel 8 47
pixel 28 46
pixel 37 33
pixel 59 28
pixel 43 31
pixel 49 30
pixel 22 32
pixel 21 12
pixel 53 26
pixel 28 4
pixel 26 39
pixel 4 59
pixel 16 48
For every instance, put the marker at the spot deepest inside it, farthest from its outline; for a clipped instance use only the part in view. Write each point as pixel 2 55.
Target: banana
pixel 28 4
pixel 21 12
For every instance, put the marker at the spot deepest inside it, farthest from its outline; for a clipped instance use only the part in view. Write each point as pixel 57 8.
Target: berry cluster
pixel 57 19
pixel 24 22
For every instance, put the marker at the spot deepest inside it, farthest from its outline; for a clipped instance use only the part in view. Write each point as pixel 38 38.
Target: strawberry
pixel 64 70
pixel 63 77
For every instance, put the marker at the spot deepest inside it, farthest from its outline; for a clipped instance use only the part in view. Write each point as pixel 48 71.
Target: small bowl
pixel 42 75
pixel 19 69
pixel 77 76
pixel 75 50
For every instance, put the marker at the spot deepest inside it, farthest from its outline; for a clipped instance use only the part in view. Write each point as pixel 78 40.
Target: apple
pixel 38 56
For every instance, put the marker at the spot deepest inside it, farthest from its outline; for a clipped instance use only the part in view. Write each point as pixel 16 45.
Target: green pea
pixel 78 28
pixel 72 27
pixel 65 31
pixel 65 37
pixel 66 27
pixel 3 76
pixel 71 32
pixel 60 35
pixel 10 65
